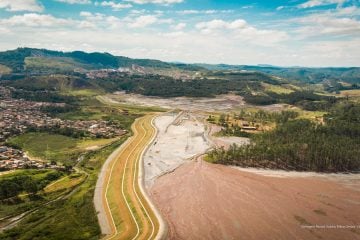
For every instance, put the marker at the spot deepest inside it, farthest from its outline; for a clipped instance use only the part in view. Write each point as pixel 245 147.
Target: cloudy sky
pixel 285 33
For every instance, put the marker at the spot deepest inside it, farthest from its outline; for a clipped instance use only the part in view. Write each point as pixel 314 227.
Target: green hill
pixel 30 59
pixel 303 74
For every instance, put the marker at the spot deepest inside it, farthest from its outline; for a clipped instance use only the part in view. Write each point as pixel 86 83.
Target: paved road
pixel 123 210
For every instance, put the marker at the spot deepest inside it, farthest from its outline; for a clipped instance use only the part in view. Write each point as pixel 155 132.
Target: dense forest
pixel 303 145
pixel 155 85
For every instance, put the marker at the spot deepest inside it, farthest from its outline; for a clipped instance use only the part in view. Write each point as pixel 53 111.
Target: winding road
pixel 124 209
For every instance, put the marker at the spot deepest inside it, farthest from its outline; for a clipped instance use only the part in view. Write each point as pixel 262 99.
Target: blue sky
pixel 285 33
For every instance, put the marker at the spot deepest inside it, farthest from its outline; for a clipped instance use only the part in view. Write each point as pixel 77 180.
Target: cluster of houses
pixel 103 73
pixel 11 159
pixel 18 115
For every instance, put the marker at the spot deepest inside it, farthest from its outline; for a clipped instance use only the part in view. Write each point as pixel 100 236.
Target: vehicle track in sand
pixel 127 210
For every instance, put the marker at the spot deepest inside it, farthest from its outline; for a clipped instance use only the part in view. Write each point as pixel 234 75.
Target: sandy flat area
pixel 180 137
pixel 219 103
pixel 223 103
pixel 206 201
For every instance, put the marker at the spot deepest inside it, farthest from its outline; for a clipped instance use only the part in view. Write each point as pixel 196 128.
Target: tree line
pixel 303 145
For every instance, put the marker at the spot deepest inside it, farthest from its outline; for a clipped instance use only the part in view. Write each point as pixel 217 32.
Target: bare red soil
pixel 206 201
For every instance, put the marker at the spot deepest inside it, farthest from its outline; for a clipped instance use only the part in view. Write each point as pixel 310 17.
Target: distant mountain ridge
pixel 16 59
pixel 303 74
pixel 23 60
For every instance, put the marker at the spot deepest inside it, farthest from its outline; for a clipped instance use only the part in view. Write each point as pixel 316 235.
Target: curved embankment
pixel 124 209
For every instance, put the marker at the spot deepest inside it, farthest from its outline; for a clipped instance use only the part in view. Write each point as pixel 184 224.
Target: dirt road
pixel 126 209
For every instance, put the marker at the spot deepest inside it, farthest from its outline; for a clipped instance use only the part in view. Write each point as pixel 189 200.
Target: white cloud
pixel 163 2
pixel 95 17
pixel 346 11
pixel 240 29
pixel 144 21
pixel 317 3
pixel 330 23
pixel 21 5
pixel 209 11
pixel 36 20
pixel 75 1
pixel 179 26
pixel 85 14
pixel 137 12
pixel 212 41
pixel 186 46
pixel 99 20
pixel 114 5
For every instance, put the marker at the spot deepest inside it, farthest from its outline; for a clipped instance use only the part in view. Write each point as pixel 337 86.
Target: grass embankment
pixel 118 186
pixel 54 147
pixel 73 217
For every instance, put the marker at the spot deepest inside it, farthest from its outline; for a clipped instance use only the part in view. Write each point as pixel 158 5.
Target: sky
pixel 316 33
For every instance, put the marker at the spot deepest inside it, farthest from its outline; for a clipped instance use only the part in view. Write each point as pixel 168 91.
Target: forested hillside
pixel 16 60
pixel 303 74
pixel 303 145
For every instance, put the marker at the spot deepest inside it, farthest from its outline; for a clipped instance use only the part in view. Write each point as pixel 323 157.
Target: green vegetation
pixel 302 74
pixel 22 190
pixel 73 217
pixel 54 82
pixel 303 145
pixel 41 96
pixel 55 147
pixel 308 100
pixel 47 146
pixel 55 61
pixel 162 86
pixel 29 182
pixel 52 64
pixel 238 124
pixel 279 89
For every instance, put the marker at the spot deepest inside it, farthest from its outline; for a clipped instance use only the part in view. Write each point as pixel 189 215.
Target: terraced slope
pixel 126 209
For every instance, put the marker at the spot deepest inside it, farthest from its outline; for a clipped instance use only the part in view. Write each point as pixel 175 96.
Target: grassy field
pixel 65 183
pixel 350 93
pixel 82 92
pixel 73 217
pixel 54 147
pixel 58 63
pixel 277 88
pixel 4 69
